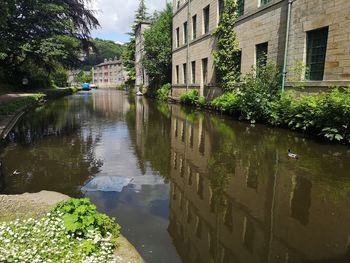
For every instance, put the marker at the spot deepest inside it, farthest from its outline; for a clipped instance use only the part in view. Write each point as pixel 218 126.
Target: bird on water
pixel 292 155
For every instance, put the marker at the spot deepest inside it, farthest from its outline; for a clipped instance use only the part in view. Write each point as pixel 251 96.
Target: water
pixel 204 187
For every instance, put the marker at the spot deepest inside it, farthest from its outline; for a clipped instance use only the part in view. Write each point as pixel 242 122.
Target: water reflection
pixel 248 202
pixel 204 189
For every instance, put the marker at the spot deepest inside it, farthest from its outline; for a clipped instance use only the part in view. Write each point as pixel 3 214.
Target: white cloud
pixel 116 16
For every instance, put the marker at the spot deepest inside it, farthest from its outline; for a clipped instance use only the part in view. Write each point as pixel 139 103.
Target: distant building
pixel 142 79
pixel 318 40
pixel 109 74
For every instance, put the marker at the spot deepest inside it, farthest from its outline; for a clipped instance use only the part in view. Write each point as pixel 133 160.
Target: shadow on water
pixel 205 188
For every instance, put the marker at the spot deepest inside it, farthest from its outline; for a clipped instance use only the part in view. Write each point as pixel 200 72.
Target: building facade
pixel 142 79
pixel 109 74
pixel 317 51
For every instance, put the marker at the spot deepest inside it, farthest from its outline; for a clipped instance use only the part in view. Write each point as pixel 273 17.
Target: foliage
pixel 326 114
pixel 48 240
pixel 192 98
pixel 81 216
pixel 228 102
pixel 128 60
pixel 227 55
pixel 158 48
pixel 141 12
pixel 163 92
pixel 104 49
pixel 84 77
pixel 13 106
pixel 257 91
pixel 59 77
pixel 33 33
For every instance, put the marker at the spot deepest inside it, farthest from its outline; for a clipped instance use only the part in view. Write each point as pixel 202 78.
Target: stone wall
pixel 314 14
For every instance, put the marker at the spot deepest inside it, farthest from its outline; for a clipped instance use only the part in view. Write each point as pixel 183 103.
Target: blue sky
pixel 116 17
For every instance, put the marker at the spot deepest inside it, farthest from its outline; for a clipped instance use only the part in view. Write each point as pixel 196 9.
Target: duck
pixel 292 155
pixel 15 172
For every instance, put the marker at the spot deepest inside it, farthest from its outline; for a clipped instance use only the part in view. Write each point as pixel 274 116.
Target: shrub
pixel 192 98
pixel 81 216
pixel 163 92
pixel 334 117
pixel 259 88
pixel 228 102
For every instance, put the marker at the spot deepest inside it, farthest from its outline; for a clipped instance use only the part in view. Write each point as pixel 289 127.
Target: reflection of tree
pixel 64 156
pixel 154 146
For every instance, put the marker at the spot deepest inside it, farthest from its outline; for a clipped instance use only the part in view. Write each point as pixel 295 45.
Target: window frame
pixel 313 74
pixel 194 27
pixel 206 19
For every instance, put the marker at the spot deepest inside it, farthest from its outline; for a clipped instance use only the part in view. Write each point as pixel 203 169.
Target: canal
pixel 202 187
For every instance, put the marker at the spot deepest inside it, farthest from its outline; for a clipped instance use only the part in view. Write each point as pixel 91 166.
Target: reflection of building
pixel 249 208
pixel 111 103
pixel 319 35
pixel 142 79
pixel 109 74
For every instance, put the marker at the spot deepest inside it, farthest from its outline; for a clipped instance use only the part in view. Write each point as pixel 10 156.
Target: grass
pixel 12 106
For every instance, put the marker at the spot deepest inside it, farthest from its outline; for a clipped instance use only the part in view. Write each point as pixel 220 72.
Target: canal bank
pixel 14 106
pixel 37 205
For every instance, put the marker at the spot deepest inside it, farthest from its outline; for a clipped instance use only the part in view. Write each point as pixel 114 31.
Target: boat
pixel 86 86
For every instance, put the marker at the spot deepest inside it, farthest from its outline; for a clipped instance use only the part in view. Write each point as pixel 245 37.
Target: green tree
pixel 158 48
pixel 42 33
pixel 128 60
pixel 227 54
pixel 84 77
pixel 129 51
pixel 104 49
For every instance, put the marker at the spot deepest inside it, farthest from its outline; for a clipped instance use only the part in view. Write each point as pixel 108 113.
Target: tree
pixel 158 48
pixel 227 54
pixel 128 60
pixel 43 33
pixel 129 51
pixel 105 49
pixel 141 13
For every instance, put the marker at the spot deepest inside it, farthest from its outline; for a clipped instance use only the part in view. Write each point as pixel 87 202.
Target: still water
pixel 204 187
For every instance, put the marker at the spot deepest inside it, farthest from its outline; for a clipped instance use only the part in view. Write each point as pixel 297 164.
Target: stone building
pixel 318 51
pixel 142 79
pixel 109 74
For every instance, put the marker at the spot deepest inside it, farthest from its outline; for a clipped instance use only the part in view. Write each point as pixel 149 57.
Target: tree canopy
pixel 42 34
pixel 158 48
pixel 104 49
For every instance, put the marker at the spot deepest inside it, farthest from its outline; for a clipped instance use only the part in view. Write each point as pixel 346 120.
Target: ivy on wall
pixel 227 55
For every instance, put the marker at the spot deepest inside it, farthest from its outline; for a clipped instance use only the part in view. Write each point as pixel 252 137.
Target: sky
pixel 116 17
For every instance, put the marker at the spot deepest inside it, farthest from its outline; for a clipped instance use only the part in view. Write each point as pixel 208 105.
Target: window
pixel 177 74
pixel 221 8
pixel 261 55
pixel 205 71
pixel 264 2
pixel 184 67
pixel 178 4
pixel 240 7
pixel 185 33
pixel 177 37
pixel 206 19
pixel 194 27
pixel 316 53
pixel 193 71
